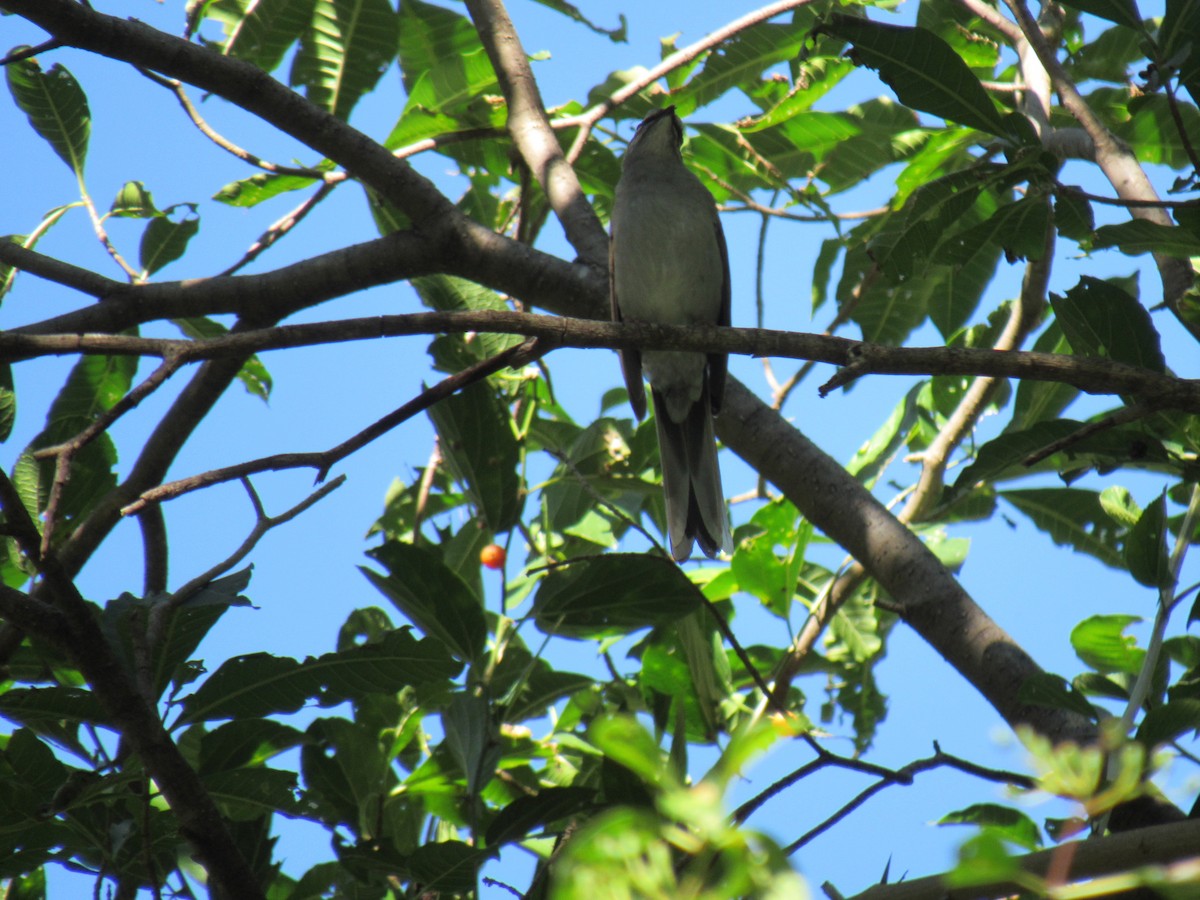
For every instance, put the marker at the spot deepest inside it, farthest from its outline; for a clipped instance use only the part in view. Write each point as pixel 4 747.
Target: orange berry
pixel 492 556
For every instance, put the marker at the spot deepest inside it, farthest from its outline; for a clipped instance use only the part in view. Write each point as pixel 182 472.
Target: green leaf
pixel 1123 12
pixel 449 867
pixel 253 375
pixel 624 741
pixel 245 742
pixel 1004 821
pixel 134 201
pixel 923 70
pixel 165 239
pixel 1102 320
pixel 1169 721
pixel 612 595
pixel 1139 236
pixel 1120 506
pixel 35 707
pixel 258 684
pixel 1019 227
pixel 248 192
pixel 1177 43
pixel 261 31
pixel 481 451
pixel 56 106
pixel 1072 517
pixel 1054 692
pixel 471 739
pixel 525 813
pixel 1039 401
pixel 347 47
pixel 8 402
pixel 1101 642
pixel 1073 216
pixel 1146 546
pixel 741 61
pixel 432 597
pixel 246 794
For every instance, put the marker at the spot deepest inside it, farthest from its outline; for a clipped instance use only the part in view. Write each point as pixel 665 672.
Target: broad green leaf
pixel 1169 721
pixel 481 451
pixel 261 31
pixel 1073 216
pixel 253 375
pixel 245 742
pixel 247 794
pixel 1120 506
pixel 923 70
pixel 247 192
pixel 1123 12
pixel 259 684
pixel 1038 401
pixel 1107 58
pixel 1019 227
pixel 1004 821
pixel 447 867
pixel 446 293
pixel 134 201
pixel 1177 43
pixel 347 47
pixel 1054 692
pixel 740 60
pixel 34 707
pixel 1102 320
pixel 56 106
pixel 435 599
pixel 1073 518
pixel 1139 236
pixel 1146 546
pixel 525 813
pixel 165 240
pixel 1101 642
pixel 346 771
pixel 622 739
pixel 430 34
pixel 612 595
pixel 983 859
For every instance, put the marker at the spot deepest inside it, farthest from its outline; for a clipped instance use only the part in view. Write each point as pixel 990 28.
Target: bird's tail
pixel 692 479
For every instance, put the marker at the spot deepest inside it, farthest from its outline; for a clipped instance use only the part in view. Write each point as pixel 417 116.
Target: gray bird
pixel 668 264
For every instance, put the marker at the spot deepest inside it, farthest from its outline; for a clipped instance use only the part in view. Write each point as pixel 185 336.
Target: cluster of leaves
pixel 424 761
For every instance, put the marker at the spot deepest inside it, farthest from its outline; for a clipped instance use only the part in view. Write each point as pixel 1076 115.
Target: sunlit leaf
pixel 347 47
pixel 1101 642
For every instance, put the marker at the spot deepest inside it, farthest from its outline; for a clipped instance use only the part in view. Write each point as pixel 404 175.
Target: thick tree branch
pixel 532 134
pixel 929 598
pixel 858 358
pixel 1157 845
pixel 1117 161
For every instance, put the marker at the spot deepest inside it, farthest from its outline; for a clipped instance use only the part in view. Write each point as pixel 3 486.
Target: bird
pixel 668 264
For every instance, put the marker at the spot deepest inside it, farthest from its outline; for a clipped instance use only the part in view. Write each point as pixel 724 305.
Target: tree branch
pixel 1089 858
pixel 858 358
pixel 532 135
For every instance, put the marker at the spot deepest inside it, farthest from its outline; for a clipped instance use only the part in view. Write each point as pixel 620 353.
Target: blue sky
pixel 305 582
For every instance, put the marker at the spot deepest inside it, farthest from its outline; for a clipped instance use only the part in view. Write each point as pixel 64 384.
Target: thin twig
pixel 279 228
pixel 1122 416
pixel 26 53
pixel 323 460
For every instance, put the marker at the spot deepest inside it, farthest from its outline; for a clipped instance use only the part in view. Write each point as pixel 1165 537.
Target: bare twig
pixel 279 228
pixel 1122 416
pixel 324 460
pixel 262 524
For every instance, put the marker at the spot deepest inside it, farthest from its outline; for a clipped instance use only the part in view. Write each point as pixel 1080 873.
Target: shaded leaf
pixel 613 594
pixel 923 70
pixel 1072 517
pixel 448 866
pixel 1146 546
pixel 1054 692
pixel 259 684
pixel 1140 236
pixel 1103 320
pixel 481 451
pixel 549 805
pixel 1123 12
pixel 435 599
pixel 56 106
pixel 134 201
pixel 253 375
pixel 1169 721
pixel 165 240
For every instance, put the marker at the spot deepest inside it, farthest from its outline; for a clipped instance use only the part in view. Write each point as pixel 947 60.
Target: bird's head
pixel 659 136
